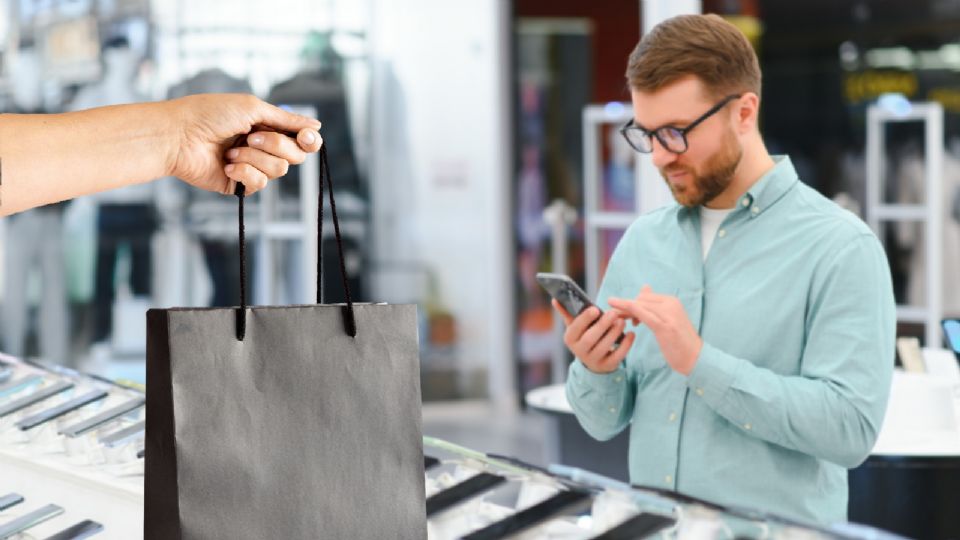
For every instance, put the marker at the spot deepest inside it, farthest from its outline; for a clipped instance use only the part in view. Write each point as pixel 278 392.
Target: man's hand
pixel 209 126
pixel 666 318
pixel 592 344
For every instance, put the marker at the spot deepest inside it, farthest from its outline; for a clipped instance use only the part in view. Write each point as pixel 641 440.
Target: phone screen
pixel 951 327
pixel 572 300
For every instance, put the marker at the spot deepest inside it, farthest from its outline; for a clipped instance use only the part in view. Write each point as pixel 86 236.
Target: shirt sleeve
pixel 834 407
pixel 603 402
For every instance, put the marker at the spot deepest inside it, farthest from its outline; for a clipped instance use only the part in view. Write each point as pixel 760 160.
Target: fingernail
pixel 256 139
pixel 233 153
pixel 309 137
pixel 230 168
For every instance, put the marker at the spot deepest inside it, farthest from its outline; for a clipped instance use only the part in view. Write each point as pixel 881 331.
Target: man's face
pixel 714 150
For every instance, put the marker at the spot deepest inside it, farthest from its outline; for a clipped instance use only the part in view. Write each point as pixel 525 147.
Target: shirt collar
pixel 766 191
pixel 773 185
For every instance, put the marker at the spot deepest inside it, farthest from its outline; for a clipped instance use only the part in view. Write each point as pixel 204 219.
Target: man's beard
pixel 716 176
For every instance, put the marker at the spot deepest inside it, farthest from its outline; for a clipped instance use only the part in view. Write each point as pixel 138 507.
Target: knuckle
pixel 271 142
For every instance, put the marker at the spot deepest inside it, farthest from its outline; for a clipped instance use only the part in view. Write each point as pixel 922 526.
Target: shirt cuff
pixel 713 375
pixel 583 381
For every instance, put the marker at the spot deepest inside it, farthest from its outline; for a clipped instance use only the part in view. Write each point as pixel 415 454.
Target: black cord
pixel 349 319
pixel 242 311
pixel 350 324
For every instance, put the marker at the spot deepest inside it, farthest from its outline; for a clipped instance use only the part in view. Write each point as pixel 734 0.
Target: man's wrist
pixel 600 372
pixel 594 379
pixel 694 357
pixel 170 124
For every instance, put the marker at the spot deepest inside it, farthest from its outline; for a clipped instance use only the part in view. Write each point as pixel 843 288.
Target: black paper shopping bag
pixel 292 422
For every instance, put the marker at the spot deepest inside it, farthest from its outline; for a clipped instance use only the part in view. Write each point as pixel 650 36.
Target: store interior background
pixel 452 126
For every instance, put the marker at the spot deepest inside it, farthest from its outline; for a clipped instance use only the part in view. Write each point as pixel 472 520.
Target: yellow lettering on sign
pixel 948 97
pixel 870 85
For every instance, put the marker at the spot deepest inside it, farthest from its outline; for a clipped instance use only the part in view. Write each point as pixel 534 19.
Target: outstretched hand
pixel 214 151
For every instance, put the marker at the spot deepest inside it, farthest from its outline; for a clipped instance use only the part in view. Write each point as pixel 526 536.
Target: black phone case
pixel 566 291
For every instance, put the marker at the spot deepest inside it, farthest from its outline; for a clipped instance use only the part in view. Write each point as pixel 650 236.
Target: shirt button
pixel 673 416
pixel 618 379
pixel 699 391
pixel 746 202
pixel 613 409
pixel 668 479
pixel 722 233
pixel 746 427
pixel 755 210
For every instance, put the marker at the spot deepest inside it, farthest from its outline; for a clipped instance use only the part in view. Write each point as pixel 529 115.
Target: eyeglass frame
pixel 649 134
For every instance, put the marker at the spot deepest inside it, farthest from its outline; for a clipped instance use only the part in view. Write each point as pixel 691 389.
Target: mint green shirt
pixel 795 306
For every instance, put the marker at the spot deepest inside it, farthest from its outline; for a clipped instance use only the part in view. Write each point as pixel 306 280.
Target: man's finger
pixel 252 178
pixel 309 140
pixel 624 306
pixel 277 144
pixel 646 293
pixel 599 329
pixel 271 165
pixel 649 316
pixel 609 338
pixel 579 325
pixel 582 321
pixel 281 120
pixel 617 356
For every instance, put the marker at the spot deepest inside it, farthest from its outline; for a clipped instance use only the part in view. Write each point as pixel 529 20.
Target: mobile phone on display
pixel 951 334
pixel 566 291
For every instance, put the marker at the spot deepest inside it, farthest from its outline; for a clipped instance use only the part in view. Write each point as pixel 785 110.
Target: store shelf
pixel 901 212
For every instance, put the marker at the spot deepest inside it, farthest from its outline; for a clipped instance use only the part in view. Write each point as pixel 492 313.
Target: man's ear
pixel 747 112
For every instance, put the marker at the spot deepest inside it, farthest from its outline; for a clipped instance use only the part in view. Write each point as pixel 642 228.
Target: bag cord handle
pixel 349 320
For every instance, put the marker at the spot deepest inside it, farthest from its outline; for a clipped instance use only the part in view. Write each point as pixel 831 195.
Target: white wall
pixel 440 176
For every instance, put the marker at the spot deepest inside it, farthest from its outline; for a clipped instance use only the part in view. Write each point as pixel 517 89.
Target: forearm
pixel 833 420
pixel 603 403
pixel 49 158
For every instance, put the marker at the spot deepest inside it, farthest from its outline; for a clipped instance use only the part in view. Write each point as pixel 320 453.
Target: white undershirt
pixel 710 221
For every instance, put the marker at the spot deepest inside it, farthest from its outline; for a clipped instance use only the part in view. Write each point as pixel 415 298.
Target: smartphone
pixel 566 291
pixel 951 334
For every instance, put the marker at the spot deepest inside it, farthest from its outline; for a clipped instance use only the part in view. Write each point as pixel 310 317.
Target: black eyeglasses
pixel 673 139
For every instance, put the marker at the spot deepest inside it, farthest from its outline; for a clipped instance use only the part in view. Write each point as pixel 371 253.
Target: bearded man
pixel 759 316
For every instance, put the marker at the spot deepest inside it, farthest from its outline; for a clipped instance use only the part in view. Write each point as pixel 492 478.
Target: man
pixel 51 158
pixel 759 316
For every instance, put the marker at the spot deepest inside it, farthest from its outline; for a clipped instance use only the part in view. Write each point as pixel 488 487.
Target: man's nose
pixel 660 155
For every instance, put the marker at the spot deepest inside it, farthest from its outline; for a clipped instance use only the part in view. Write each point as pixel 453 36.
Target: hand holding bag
pixel 292 422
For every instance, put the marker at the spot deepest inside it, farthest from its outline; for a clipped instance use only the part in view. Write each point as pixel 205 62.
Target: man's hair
pixel 705 46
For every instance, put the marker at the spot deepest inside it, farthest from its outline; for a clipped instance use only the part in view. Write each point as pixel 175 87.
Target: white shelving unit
pixel 928 213
pixel 597 220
